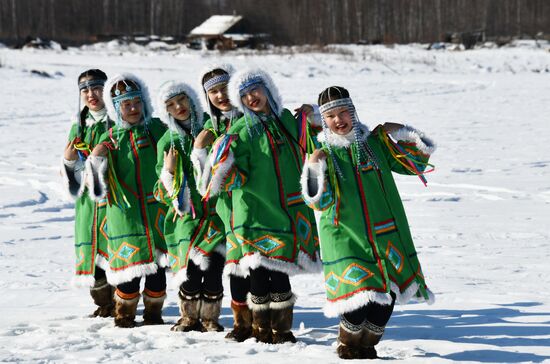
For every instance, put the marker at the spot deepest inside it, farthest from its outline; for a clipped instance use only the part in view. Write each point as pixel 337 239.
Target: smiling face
pixel 179 107
pixel 339 120
pixel 218 97
pixel 130 110
pixel 256 100
pixel 92 97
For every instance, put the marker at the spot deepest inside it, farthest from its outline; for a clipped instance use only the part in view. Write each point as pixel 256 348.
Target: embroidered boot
pixel 189 309
pixel 210 311
pixel 261 317
pixel 282 306
pixel 371 337
pixel 242 324
pixel 125 309
pixel 349 341
pixel 153 302
pixel 102 294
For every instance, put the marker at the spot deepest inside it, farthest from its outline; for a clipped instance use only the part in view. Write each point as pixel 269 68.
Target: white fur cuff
pixel 199 161
pixel 167 180
pixel 220 175
pixel 313 181
pixel 96 167
pixel 73 175
pixel 410 134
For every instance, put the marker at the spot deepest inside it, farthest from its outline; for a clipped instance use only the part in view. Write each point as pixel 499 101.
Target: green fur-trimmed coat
pixel 90 219
pixel 261 167
pixel 366 245
pixel 136 245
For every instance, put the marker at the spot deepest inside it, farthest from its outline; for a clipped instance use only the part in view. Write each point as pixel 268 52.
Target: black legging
pixel 240 286
pixel 373 312
pixel 153 282
pixel 208 281
pixel 264 281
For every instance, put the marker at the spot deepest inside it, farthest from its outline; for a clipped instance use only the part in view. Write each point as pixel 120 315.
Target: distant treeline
pixel 287 21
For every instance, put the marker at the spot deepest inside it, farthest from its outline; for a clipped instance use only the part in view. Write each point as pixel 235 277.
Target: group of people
pixel 244 188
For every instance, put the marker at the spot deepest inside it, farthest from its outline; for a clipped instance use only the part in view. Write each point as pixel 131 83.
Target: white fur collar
pixel 243 76
pixel 343 141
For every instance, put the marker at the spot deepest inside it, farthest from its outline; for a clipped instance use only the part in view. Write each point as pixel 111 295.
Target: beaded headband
pixel 90 83
pixel 251 83
pixel 214 81
pixel 334 104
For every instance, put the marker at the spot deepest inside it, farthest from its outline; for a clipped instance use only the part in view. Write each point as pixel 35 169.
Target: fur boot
pixel 125 309
pixel 211 306
pixel 153 302
pixel 189 309
pixel 242 324
pixel 102 294
pixel 349 341
pixel 261 317
pixel 282 307
pixel 371 337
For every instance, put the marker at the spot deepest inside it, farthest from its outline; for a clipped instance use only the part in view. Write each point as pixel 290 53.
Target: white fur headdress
pixel 108 99
pixel 245 77
pixel 170 89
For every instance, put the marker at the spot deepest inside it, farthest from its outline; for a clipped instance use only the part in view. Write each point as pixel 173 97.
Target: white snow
pixel 481 227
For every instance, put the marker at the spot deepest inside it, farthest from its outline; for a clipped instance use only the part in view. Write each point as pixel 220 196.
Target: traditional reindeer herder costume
pixel 367 250
pixel 194 233
pixel 90 220
pixel 260 160
pixel 135 219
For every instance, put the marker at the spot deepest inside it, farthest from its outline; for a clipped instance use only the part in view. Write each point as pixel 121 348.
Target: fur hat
pixel 110 105
pixel 167 91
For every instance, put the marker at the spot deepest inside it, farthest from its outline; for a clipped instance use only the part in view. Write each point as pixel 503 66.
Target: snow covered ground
pixel 482 227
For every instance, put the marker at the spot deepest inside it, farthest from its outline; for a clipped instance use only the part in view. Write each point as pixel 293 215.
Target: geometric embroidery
pixel 230 245
pixel 80 259
pixel 294 199
pixel 326 198
pixel 267 244
pixel 366 166
pixel 103 228
pixel 303 227
pixel 159 222
pixel 332 282
pixel 395 257
pixel 173 261
pixel 236 181
pixel 240 239
pixel 126 252
pixel 385 227
pixel 211 233
pixel 355 274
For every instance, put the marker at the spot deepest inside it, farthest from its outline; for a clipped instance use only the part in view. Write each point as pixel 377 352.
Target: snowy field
pixel 482 227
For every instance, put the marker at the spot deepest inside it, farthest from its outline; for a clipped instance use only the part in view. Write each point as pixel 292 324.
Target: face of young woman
pixel 218 97
pixel 256 100
pixel 92 97
pixel 339 120
pixel 179 107
pixel 130 110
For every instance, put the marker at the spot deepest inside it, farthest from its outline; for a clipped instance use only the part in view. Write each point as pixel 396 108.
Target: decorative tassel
pixel 220 152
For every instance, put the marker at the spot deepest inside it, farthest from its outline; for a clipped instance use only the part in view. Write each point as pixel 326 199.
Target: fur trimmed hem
pixel 317 173
pixel 358 300
pixel 284 304
pixel 101 262
pixel 220 249
pixel 218 178
pixel 161 258
pixel 409 294
pixel 409 134
pixel 199 159
pixel 73 187
pixel 256 260
pixel 83 281
pixel 308 265
pixel 235 270
pixel 178 278
pixel 257 306
pixel 96 167
pixel 126 275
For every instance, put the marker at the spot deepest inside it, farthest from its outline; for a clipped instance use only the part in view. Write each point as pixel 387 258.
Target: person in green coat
pixel 90 220
pixel 222 116
pixel 259 161
pixel 368 254
pixel 194 233
pixel 122 169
